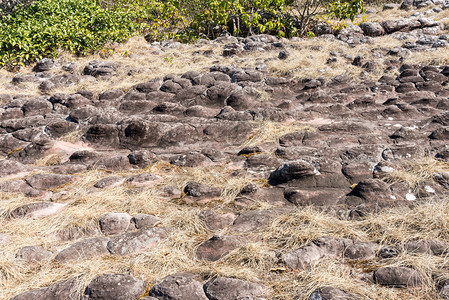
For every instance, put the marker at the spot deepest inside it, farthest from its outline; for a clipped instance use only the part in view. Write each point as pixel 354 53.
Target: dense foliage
pixel 45 27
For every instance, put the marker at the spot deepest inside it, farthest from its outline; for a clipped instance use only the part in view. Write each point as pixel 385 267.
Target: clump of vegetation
pixel 43 28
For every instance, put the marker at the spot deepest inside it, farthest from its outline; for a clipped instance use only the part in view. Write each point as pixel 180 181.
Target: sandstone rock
pixel 63 290
pixel 178 287
pixel 135 242
pixel 372 28
pixel 109 182
pixel 115 286
pixel 83 250
pixel 49 181
pixel 37 210
pixel 323 247
pixel 330 293
pixel 215 221
pixel 361 251
pixel 100 69
pixel 372 190
pixel 223 288
pixel 434 247
pixel 217 247
pixel 33 254
pixel 253 220
pixel 398 277
pixel 114 223
pixel 10 167
pixel 142 221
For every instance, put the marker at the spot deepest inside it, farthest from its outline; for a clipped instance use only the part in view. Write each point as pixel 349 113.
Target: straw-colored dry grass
pixel 254 261
pixel 270 132
pixel 413 172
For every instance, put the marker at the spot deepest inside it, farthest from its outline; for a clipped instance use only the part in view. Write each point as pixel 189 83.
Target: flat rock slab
pixel 324 247
pixel 109 182
pixel 135 242
pixel 10 168
pixel 398 277
pixel 217 247
pixel 331 293
pixel 83 250
pixel 37 210
pixel 179 287
pixel 253 220
pixel 49 181
pixel 33 254
pixel 65 290
pixel 114 223
pixel 223 288
pixel 215 221
pixel 115 286
pixel 141 221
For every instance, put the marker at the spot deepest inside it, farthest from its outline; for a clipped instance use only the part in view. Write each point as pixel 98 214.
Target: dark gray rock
pixel 135 242
pixel 114 223
pixel 180 286
pixel 32 254
pixel 223 288
pixel 83 250
pixel 115 286
pixel 397 277
pixel 217 247
pixel 330 293
pixel 49 181
pixel 64 290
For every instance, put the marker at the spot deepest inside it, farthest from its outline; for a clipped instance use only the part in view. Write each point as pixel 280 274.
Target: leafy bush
pixel 44 27
pixel 245 17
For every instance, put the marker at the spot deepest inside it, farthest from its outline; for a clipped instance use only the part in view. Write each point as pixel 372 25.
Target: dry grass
pixel 252 261
pixel 413 172
pixel 270 132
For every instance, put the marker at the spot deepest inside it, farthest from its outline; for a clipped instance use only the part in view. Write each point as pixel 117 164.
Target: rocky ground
pixel 256 168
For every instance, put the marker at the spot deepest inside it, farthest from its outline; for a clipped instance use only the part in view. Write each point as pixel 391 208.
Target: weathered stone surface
pixel 215 221
pixel 331 293
pixel 321 248
pixel 223 288
pixel 434 247
pixel 179 287
pixel 135 242
pixel 115 286
pixel 114 223
pixel 397 277
pixel 141 221
pixel 109 182
pixel 83 250
pixel 361 251
pixel 49 181
pixel 37 210
pixel 253 220
pixel 199 191
pixel 32 254
pixel 217 247
pixel 63 290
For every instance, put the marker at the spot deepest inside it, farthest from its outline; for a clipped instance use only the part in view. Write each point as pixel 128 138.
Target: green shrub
pixel 79 26
pixel 246 17
pixel 45 27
